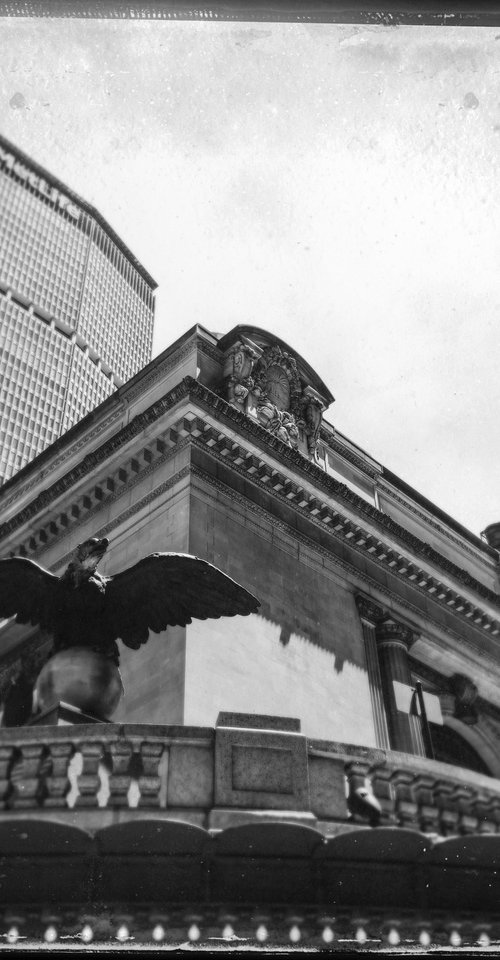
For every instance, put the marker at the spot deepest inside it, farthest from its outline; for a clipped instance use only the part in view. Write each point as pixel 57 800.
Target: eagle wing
pixel 27 591
pixel 168 590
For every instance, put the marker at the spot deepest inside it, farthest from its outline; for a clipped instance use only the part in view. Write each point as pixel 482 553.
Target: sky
pixel 337 185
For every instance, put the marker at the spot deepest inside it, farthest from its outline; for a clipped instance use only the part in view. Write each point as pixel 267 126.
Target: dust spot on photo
pixel 17 102
pixel 470 101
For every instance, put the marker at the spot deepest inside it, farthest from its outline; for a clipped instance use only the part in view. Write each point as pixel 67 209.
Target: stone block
pixel 258 721
pixel 261 769
pixel 327 786
pixel 220 818
pixel 190 776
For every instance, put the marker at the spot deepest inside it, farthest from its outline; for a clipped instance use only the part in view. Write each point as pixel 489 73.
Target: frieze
pixel 337 562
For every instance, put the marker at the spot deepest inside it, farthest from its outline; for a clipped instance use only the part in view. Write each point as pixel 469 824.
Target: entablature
pixel 216 426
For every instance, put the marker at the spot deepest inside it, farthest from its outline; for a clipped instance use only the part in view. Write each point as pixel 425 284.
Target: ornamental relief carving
pixel 269 389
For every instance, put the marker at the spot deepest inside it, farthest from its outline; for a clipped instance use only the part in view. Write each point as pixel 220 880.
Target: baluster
pixel 448 812
pixel 6 755
pixel 57 782
pixel 384 792
pixel 494 812
pixel 89 781
pixel 485 814
pixel 463 797
pixel 149 780
pixel 406 807
pixel 25 776
pixel 428 811
pixel 120 777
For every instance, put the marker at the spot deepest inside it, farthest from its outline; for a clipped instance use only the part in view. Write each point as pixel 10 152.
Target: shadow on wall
pixel 342 637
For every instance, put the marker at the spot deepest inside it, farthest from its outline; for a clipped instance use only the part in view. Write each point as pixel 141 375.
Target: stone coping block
pixel 258 721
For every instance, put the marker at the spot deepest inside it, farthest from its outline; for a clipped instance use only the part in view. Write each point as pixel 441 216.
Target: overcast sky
pixel 337 185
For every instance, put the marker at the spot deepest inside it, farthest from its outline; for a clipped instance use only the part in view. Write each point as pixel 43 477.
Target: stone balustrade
pixel 215 778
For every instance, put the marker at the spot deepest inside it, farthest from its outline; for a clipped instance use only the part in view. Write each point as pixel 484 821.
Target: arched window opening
pixel 450 747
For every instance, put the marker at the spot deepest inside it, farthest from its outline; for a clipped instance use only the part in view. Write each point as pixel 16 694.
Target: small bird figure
pixel 364 804
pixel 84 608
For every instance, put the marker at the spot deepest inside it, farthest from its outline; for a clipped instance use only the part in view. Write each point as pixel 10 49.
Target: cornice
pixel 68 453
pixel 161 370
pixel 321 512
pixel 328 518
pixel 331 443
pixel 339 490
pixel 97 456
pixel 386 488
pixel 156 375
pixel 139 505
pixel 212 351
pixel 350 570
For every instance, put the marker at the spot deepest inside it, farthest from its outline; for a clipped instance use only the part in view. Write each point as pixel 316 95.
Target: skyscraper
pixel 76 309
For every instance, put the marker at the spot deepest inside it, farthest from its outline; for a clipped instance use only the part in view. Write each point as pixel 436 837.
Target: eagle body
pixel 84 608
pixel 81 616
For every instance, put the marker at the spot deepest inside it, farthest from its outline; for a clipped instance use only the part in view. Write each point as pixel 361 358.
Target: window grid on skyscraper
pixel 63 275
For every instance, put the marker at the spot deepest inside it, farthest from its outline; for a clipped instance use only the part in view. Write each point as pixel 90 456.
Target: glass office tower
pixel 76 309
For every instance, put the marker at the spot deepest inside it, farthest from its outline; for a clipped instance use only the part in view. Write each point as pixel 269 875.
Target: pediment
pixel 274 385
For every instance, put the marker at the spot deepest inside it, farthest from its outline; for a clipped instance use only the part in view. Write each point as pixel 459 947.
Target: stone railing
pixel 429 796
pixel 229 775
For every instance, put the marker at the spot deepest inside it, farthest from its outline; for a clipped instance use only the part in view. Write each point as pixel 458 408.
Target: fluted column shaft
pixel 393 642
pixel 370 614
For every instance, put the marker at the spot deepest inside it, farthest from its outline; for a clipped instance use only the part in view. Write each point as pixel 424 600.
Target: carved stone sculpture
pixel 466 694
pixel 83 609
pixel 237 371
pixel 269 388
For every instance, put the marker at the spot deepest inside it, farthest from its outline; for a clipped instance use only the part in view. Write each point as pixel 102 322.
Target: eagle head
pixel 90 552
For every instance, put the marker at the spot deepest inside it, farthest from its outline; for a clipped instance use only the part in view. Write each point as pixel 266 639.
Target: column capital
pixel 368 610
pixel 389 631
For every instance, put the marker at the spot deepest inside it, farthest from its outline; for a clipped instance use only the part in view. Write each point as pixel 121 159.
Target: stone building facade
pixel 224 448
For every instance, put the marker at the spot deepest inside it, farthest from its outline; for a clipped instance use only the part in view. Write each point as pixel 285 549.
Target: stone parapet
pixel 95 774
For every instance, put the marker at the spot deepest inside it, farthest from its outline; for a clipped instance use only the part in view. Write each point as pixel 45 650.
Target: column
pixel 370 614
pixel 393 641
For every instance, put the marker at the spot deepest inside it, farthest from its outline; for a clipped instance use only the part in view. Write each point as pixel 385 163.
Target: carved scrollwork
pixel 277 379
pixel 466 694
pixel 269 388
pixel 369 611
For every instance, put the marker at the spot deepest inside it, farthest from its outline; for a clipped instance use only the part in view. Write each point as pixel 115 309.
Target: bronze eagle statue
pixel 83 608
